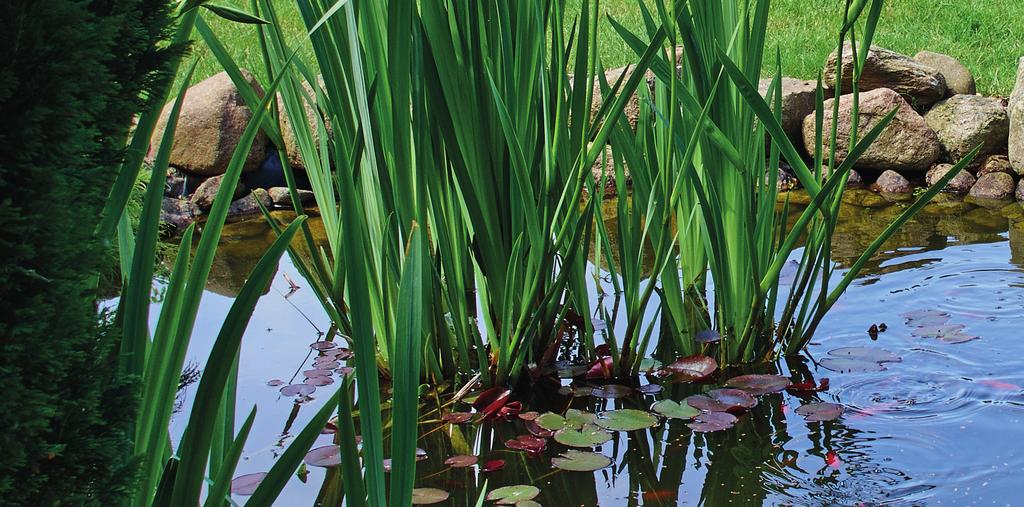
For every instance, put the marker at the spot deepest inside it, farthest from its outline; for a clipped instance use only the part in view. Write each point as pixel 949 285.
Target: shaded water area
pixel 941 426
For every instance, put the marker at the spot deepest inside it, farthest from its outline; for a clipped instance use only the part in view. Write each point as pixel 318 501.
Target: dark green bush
pixel 72 76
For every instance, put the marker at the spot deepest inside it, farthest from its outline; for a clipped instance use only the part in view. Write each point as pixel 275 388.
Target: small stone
pixel 248 206
pixel 892 182
pixel 959 79
pixel 993 186
pixel 996 164
pixel 178 214
pixel 883 68
pixel 960 184
pixel 964 121
pixel 283 198
pixel 855 179
pixel 207 192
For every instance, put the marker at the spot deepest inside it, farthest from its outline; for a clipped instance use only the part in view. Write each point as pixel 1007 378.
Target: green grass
pixel 985 36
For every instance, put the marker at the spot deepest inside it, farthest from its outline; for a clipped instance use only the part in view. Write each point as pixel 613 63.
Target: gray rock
pixel 207 192
pixel 996 164
pixel 959 79
pixel 960 184
pixel 1016 110
pixel 798 101
pixel 283 198
pixel 1019 194
pixel 178 214
pixel 855 179
pixel 248 206
pixel 906 145
pixel 965 121
pixel 892 182
pixel 181 184
pixel 993 186
pixel 883 68
pixel 213 117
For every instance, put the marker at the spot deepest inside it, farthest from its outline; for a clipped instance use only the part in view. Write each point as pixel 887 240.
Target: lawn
pixel 985 36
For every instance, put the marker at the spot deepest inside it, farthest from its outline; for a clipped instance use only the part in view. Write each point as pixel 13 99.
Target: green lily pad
pixel 625 419
pixel 512 495
pixel 589 436
pixel 675 410
pixel 580 461
pixel 428 496
pixel 573 418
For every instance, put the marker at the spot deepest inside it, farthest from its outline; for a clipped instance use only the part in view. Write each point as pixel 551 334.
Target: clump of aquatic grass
pixel 722 188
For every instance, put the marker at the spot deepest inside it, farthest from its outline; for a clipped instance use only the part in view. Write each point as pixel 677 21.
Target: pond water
pixel 942 426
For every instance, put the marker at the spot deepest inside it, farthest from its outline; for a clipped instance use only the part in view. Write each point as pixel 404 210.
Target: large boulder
pixel 906 145
pixel 962 122
pixel 207 192
pixel 892 182
pixel 883 68
pixel 632 109
pixel 291 145
pixel 798 101
pixel 213 117
pixel 1016 111
pixel 960 184
pixel 993 186
pixel 959 80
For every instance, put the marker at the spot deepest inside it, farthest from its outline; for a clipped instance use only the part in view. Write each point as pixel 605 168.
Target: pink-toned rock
pixel 960 184
pixel 996 164
pixel 883 68
pixel 906 145
pixel 993 186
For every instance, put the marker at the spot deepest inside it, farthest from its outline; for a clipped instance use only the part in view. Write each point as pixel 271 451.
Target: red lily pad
pixel 297 390
pixel 529 416
pixel 456 417
pixel 528 443
pixel 611 391
pixel 323 345
pixel 339 353
pixel 737 400
pixel 329 364
pixel 492 465
pixel 707 336
pixel 759 384
pixel 820 412
pixel 326 456
pixel 490 401
pixel 809 386
pixel 536 430
pixel 461 461
pixel 713 421
pixel 318 373
pixel 246 485
pixel 580 461
pixel 600 369
pixel 318 381
pixel 428 496
pixel 692 368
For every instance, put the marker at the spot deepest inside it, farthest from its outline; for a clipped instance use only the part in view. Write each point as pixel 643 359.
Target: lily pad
pixel 298 390
pixel 317 373
pixel 923 318
pixel 512 495
pixel 692 368
pixel 461 461
pixel 246 485
pixel 819 412
pixel 590 436
pixel 318 381
pixel 428 496
pixel 573 418
pixel 735 400
pixel 528 443
pixel 326 456
pixel 675 410
pixel 850 365
pixel 957 337
pixel 580 461
pixel 600 369
pixel 456 417
pixel 492 400
pixel 866 354
pixel 323 345
pixel 492 465
pixel 626 419
pixel 536 430
pixel 713 421
pixel 938 331
pixel 275 382
pixel 759 384
pixel 612 391
pixel 650 388
pixel 326 363
pixel 528 416
pixel 707 336
pixel 575 392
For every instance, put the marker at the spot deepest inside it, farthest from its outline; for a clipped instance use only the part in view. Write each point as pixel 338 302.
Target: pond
pixel 927 422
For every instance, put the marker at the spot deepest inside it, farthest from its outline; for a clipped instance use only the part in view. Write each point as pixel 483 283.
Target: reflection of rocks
pixel 178 214
pixel 249 206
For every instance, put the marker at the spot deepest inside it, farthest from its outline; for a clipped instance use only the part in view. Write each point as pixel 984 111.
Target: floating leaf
pixel 692 368
pixel 707 336
pixel 297 390
pixel 600 369
pixel 275 382
pixel 957 337
pixel 713 421
pixel 612 391
pixel 650 388
pixel 456 417
pixel 318 381
pixel 246 484
pixel 757 384
pixel 735 401
pixel 589 436
pixel 528 443
pixel 675 410
pixel 536 430
pixel 490 401
pixel 866 354
pixel 580 461
pixel 339 353
pixel 529 416
pixel 326 456
pixel 329 364
pixel 938 331
pixel 850 365
pixel 573 418
pixel 512 495
pixel 322 345
pixel 819 412
pixel 427 496
pixel 461 461
pixel 575 392
pixel 317 373
pixel 923 318
pixel 625 419
pixel 493 465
